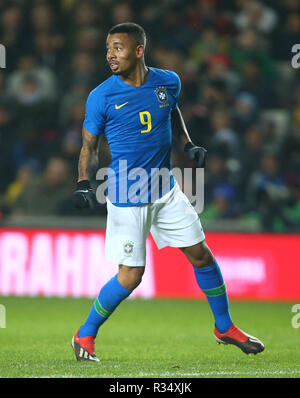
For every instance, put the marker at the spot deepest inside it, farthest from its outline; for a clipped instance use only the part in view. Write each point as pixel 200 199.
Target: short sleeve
pixel 177 88
pixel 94 120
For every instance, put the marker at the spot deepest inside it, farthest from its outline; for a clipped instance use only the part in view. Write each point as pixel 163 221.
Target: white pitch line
pixel 169 374
pixel 199 374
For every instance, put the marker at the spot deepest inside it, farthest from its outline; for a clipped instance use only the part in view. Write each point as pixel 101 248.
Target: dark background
pixel 240 99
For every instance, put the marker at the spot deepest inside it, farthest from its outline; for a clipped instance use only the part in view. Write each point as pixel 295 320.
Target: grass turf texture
pixel 145 338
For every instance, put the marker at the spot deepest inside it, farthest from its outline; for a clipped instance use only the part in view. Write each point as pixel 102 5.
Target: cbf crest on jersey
pixel 128 248
pixel 161 93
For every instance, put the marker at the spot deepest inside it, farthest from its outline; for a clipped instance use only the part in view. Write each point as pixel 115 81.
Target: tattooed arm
pixel 87 154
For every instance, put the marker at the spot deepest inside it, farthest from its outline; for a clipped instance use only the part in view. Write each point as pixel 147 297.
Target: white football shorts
pixel 171 220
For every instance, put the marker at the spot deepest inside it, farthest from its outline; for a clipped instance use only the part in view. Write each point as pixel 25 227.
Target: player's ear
pixel 140 50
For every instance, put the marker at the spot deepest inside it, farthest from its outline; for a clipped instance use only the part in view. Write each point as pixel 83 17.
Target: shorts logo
pixel 161 93
pixel 128 248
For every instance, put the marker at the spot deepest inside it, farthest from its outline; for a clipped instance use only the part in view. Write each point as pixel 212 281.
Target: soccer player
pixel 133 108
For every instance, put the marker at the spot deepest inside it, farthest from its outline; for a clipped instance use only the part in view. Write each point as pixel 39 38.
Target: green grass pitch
pixel 145 338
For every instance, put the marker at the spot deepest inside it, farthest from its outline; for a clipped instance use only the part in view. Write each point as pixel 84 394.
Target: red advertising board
pixel 254 266
pixel 72 263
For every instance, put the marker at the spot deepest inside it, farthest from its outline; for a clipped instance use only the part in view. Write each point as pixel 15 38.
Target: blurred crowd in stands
pixel 240 98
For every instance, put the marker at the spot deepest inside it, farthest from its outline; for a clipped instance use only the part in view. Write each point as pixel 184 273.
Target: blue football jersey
pixel 137 124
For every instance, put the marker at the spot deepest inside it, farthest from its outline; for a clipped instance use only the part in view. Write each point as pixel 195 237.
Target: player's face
pixel 123 53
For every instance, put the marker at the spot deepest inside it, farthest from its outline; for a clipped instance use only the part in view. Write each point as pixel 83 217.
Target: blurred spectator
pixel 253 142
pixel 286 7
pixel 216 174
pixel 77 93
pixel 254 14
pixel 171 37
pixel 219 71
pixel 121 12
pixel 7 126
pixel 208 44
pixel 30 90
pixel 251 152
pixel 42 18
pixel 286 37
pixel 213 94
pixel 46 192
pixel 81 68
pixel 224 138
pixel 245 112
pixel 259 86
pixel 249 46
pixel 151 20
pixel 296 105
pixel 88 39
pixel 35 145
pixel 71 141
pixel 86 28
pixel 166 58
pixel 32 104
pixel 223 204
pixel 28 66
pixel 11 32
pixel 202 14
pixel 15 188
pixel 268 193
pixel 85 14
pixel 47 48
pixel 290 159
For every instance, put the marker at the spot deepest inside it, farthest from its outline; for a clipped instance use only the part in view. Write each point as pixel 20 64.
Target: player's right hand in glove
pixel 196 153
pixel 84 197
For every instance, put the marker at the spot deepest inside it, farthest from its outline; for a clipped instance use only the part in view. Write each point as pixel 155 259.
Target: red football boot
pixel 84 348
pixel 248 344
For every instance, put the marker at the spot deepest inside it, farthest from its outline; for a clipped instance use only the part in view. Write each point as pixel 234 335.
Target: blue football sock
pixel 211 282
pixel 110 296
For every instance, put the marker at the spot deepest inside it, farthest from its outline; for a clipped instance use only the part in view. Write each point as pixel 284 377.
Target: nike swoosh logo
pixel 120 106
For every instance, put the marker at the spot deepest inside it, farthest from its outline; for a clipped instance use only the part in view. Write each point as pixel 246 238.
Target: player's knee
pixel 130 277
pixel 200 256
pixel 205 260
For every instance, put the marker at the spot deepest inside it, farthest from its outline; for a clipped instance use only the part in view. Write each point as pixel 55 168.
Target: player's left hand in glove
pixel 84 197
pixel 196 153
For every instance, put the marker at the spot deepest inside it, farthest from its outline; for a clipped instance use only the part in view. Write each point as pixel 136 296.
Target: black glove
pixel 197 153
pixel 84 197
